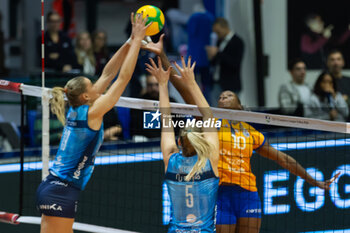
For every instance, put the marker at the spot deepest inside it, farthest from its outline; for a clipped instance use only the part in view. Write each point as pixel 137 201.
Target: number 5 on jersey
pixel 189 197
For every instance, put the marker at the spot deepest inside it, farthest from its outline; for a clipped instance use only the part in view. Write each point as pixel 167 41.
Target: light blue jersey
pixel 192 203
pixel 79 144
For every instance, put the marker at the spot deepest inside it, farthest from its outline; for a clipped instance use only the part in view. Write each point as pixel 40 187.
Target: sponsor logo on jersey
pixel 80 167
pixel 253 211
pixel 56 182
pixel 54 207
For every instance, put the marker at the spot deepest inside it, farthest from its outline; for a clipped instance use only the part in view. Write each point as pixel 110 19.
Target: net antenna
pixel 45 139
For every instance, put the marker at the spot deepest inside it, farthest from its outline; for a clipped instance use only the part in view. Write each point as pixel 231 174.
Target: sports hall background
pixel 21 26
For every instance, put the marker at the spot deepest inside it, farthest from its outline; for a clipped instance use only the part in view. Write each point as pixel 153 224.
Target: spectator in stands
pixel 59 51
pixel 85 53
pixel 111 125
pixel 335 64
pixel 226 58
pixel 136 125
pixel 295 94
pixel 99 39
pixel 327 103
pixel 313 41
pixel 199 28
pixel 318 39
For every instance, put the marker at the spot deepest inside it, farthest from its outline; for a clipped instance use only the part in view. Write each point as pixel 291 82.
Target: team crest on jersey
pixel 246 133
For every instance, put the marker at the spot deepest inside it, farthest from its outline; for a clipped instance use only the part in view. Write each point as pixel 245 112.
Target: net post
pixel 21 173
pixel 45 141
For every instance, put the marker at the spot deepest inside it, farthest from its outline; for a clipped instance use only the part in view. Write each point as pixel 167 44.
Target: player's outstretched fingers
pixel 153 63
pixel 189 61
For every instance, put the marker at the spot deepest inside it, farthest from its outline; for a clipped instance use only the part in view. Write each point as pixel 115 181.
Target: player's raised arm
pixel 158 49
pixel 292 165
pixel 188 79
pixel 168 143
pixel 112 68
pixel 107 101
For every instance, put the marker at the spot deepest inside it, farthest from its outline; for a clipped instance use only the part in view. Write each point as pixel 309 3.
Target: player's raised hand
pixel 149 45
pixel 161 75
pixel 186 71
pixel 138 26
pixel 325 184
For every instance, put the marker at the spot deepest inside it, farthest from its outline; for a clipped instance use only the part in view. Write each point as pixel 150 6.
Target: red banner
pixel 65 8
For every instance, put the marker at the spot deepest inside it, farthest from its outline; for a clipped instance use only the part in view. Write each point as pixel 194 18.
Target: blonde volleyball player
pixel 57 195
pixel 191 174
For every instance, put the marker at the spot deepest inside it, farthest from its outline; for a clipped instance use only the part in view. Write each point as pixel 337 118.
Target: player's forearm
pixel 126 72
pixel 200 100
pixel 112 67
pixel 295 168
pixel 129 63
pixel 164 103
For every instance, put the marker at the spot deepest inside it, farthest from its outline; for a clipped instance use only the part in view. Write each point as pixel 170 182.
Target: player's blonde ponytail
pixel 58 104
pixel 201 146
pixel 73 89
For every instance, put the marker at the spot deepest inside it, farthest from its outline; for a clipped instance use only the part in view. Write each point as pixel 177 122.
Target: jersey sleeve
pixel 258 138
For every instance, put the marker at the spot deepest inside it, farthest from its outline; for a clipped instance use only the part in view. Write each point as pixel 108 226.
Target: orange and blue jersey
pixel 237 142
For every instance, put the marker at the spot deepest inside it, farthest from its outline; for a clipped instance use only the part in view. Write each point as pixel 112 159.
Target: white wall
pixel 241 17
pixel 274 27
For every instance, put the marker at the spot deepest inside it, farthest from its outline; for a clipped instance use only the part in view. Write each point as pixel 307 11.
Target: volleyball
pixel 155 15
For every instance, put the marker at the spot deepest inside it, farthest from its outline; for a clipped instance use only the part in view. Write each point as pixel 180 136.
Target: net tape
pixel 187 109
pixel 237 115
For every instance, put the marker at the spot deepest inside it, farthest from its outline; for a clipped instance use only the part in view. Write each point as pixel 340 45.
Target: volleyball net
pixel 127 192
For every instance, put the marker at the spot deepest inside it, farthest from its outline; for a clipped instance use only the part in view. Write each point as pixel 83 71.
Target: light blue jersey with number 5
pixel 192 203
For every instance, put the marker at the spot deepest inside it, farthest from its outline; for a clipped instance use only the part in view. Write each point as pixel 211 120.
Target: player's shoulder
pixel 248 127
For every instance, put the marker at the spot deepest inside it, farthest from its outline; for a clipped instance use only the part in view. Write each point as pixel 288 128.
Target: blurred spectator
pixel 199 28
pixel 314 40
pixel 136 127
pixel 99 39
pixel 59 52
pixel 210 5
pixel 318 39
pixel 226 58
pixel 111 125
pixel 85 53
pixel 294 95
pixel 176 20
pixel 327 103
pixel 335 65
